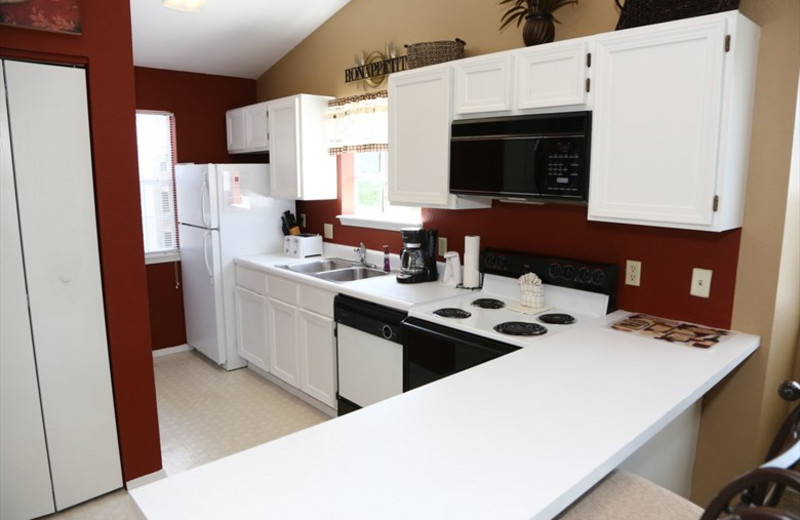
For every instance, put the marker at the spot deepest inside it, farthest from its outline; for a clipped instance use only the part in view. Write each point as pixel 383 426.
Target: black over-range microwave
pixel 522 158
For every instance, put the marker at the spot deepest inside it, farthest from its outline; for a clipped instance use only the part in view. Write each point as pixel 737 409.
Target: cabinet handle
pixel 727 43
pixel 589 60
pixel 588 84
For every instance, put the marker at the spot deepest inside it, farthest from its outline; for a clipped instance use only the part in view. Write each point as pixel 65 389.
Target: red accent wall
pixel 667 255
pixel 199 102
pixel 105 48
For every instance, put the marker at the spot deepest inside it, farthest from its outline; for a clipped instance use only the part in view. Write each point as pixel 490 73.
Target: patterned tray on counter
pixel 669 330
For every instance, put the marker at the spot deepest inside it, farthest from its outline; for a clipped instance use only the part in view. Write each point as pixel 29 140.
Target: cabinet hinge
pixel 588 59
pixel 716 203
pixel 588 84
pixel 727 43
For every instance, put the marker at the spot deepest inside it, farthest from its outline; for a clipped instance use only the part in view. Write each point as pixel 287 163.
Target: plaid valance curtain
pixel 358 123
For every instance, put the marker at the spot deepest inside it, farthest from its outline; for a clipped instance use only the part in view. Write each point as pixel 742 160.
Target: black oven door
pixel 431 351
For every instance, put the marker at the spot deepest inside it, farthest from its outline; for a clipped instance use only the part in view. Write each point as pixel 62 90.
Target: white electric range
pixel 447 336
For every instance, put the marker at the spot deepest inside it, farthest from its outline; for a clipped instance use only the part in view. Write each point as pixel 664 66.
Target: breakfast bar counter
pixel 520 437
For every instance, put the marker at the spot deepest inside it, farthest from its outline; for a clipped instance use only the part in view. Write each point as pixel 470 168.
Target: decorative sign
pixel 373 68
pixel 61 16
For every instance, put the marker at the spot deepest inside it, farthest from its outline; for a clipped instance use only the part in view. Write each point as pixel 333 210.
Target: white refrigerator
pixel 224 211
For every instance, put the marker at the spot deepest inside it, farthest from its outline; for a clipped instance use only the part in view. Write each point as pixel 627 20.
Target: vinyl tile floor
pixel 205 413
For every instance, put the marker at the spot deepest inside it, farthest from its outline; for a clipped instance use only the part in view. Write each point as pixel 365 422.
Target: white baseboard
pixel 146 479
pixel 172 350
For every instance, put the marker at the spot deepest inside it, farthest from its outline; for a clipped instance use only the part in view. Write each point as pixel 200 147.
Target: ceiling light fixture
pixel 189 6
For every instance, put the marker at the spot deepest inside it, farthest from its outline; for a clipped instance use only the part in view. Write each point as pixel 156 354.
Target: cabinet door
pixel 553 75
pixel 317 357
pixel 656 124
pixel 419 136
pixel 284 138
pixel 234 123
pixel 283 355
pixel 256 127
pixel 251 327
pixel 483 84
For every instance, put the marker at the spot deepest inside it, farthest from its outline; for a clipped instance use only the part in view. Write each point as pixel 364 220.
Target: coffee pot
pixel 418 256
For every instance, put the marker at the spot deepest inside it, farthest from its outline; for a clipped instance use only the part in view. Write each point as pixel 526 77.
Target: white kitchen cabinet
pixel 284 357
pixel 419 139
pixel 553 75
pixel 251 316
pixel 247 129
pixel 55 380
pixel 300 166
pixel 300 337
pixel 483 84
pixel 251 327
pixel 317 356
pixel 671 126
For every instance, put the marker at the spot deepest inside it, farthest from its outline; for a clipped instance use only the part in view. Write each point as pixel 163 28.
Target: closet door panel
pixel 50 137
pixel 25 490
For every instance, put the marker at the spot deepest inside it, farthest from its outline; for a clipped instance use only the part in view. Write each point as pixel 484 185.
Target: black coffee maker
pixel 418 256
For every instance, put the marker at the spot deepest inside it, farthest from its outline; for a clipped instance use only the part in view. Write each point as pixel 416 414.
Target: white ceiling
pixel 240 38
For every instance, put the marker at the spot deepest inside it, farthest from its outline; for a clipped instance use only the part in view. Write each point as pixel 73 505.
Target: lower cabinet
pixel 283 351
pixel 251 327
pixel 286 329
pixel 317 356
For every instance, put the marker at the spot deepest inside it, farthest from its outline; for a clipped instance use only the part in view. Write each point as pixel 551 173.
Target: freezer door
pixel 202 292
pixel 196 192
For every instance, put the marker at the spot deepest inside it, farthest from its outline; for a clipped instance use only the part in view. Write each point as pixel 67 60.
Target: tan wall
pixel 742 412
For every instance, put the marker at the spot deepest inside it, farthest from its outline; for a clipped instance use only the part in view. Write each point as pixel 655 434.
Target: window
pixel 370 190
pixel 358 130
pixel 155 142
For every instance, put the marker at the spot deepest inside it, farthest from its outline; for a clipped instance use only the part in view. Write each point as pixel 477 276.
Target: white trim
pixel 146 479
pixel 377 222
pixel 172 350
pixel 162 257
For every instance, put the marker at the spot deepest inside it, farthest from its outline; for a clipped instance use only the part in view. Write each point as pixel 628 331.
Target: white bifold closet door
pixel 59 440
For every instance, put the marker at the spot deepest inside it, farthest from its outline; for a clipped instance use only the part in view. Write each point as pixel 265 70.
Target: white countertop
pixel 519 437
pixel 383 290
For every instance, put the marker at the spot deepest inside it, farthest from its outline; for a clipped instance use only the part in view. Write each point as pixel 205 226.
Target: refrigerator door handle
pixel 206 239
pixel 205 194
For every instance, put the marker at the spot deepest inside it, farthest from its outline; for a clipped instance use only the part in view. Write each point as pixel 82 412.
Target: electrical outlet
pixel 442 246
pixel 701 282
pixel 633 272
pixel 327 231
pixel 302 220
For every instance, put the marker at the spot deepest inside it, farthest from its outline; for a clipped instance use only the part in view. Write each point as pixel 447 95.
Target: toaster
pixel 303 245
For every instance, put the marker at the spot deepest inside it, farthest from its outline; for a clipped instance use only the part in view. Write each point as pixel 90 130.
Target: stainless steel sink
pixel 319 266
pixel 350 274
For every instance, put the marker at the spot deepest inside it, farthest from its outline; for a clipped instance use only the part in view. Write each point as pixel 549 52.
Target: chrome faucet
pixel 362 255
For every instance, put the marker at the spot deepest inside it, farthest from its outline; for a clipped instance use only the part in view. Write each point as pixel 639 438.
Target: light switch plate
pixel 442 246
pixel 327 231
pixel 701 282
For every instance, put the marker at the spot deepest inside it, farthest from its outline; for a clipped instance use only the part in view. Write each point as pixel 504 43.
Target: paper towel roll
pixel 472 252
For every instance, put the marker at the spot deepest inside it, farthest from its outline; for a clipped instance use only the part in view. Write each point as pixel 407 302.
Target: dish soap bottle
pixel 386 266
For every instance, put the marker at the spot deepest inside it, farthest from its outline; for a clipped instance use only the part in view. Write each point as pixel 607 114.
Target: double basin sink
pixel 335 270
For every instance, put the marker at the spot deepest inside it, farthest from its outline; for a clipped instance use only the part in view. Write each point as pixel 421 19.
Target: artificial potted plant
pixel 538 15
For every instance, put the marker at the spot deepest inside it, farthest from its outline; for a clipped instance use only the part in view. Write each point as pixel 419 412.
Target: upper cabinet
pixel 555 75
pixel 671 128
pixel 484 84
pixel 293 130
pixel 300 166
pixel 419 139
pixel 247 129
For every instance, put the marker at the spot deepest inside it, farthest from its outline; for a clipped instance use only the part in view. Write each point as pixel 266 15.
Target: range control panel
pixel 565 272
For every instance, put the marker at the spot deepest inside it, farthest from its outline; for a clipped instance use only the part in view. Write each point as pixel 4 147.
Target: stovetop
pixel 572 289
